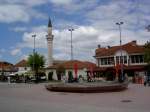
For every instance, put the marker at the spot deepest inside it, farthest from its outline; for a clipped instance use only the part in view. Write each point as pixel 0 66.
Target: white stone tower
pixel 50 44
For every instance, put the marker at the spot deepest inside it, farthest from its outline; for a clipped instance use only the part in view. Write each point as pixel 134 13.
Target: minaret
pixel 50 44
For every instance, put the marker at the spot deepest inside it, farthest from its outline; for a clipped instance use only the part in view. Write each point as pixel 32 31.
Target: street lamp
pixel 1 66
pixel 34 53
pixel 71 30
pixel 148 28
pixel 121 60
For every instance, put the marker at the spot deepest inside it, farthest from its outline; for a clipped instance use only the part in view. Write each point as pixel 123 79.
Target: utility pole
pixel 71 30
pixel 34 54
pixel 121 58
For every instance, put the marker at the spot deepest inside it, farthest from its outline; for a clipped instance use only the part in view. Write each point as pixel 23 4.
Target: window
pixel 110 60
pixel 117 60
pixel 141 58
pixel 102 61
pixel 122 59
pixel 137 59
pixel 107 61
pixel 98 62
pixel 132 59
pixel 125 59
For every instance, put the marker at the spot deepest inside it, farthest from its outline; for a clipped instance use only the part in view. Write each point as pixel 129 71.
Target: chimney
pixel 133 42
pixel 99 46
pixel 108 47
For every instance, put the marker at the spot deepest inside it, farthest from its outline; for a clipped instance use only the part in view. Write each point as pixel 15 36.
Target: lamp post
pixel 71 30
pixel 148 28
pixel 121 60
pixel 1 67
pixel 34 53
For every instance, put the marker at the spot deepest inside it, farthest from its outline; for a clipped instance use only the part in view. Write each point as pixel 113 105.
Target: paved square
pixel 35 98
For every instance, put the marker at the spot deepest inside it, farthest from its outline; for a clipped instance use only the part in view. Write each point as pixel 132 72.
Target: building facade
pixel 6 68
pixel 72 68
pixel 131 55
pixel 22 66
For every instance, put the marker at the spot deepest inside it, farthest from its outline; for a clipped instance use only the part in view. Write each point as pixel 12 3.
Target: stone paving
pixel 35 98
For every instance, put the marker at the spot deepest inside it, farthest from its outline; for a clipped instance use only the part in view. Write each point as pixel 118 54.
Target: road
pixel 35 98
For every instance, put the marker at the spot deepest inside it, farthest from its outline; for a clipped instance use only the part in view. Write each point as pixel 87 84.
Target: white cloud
pixel 16 51
pixel 133 14
pixel 73 6
pixel 24 57
pixel 13 13
pixel 33 2
pixel 24 2
pixel 41 28
pixel 19 29
pixel 40 39
pixel 61 2
pixel 18 13
pixel 28 40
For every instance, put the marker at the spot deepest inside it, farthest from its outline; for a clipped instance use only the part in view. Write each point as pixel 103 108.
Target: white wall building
pixel 69 68
pixel 22 66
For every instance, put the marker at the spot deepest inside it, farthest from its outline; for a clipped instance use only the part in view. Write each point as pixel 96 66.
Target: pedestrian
pixel 145 80
pixel 80 79
pixel 63 78
pixel 8 79
pixel 126 77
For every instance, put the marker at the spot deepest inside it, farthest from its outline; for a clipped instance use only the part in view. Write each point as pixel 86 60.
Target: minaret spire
pixel 50 43
pixel 49 23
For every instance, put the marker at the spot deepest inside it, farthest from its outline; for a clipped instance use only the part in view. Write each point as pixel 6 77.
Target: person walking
pixel 8 79
pixel 145 80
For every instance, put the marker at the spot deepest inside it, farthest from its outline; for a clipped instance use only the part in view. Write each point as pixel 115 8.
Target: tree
pixel 36 62
pixel 147 55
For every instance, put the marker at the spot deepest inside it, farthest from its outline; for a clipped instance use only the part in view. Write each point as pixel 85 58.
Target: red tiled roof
pixel 130 48
pixel 56 62
pixel 22 63
pixel 6 66
pixel 70 64
pixel 89 64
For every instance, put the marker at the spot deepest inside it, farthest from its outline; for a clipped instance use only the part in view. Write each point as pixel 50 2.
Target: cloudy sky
pixel 93 21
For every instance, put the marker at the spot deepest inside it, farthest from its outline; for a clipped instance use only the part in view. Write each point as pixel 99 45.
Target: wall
pixel 80 72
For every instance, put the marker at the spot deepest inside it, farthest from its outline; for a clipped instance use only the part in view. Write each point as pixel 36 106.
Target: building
pixel 22 66
pixel 6 68
pixel 132 58
pixel 72 68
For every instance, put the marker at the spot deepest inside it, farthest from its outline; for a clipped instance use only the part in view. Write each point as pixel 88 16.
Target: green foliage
pixel 38 61
pixel 70 76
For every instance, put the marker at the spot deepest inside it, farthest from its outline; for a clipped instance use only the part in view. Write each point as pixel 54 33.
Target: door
pixel 50 76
